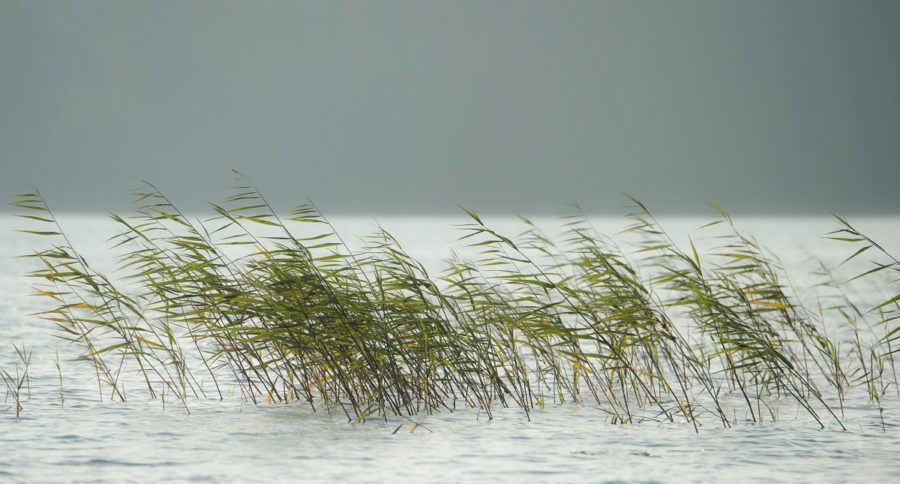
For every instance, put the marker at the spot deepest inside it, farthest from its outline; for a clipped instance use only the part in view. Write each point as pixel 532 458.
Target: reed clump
pixel 661 332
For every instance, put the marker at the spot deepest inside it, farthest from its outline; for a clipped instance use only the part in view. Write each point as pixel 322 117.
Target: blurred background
pixel 411 107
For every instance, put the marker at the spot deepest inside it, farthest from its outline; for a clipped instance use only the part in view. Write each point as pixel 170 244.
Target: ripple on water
pixel 100 462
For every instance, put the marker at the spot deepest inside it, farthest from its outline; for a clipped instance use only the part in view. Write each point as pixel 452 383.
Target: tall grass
pixel 284 309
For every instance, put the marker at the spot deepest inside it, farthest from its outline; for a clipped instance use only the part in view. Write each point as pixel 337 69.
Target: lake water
pixel 85 439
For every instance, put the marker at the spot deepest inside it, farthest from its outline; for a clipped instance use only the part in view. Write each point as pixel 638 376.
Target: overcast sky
pixel 414 106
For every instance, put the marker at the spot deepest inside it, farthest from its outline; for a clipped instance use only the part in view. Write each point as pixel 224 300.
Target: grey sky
pixel 415 106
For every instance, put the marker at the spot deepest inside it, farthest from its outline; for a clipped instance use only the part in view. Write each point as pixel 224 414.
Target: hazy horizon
pixel 405 107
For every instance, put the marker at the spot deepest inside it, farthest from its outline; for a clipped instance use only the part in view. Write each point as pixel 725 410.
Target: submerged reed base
pixel 665 331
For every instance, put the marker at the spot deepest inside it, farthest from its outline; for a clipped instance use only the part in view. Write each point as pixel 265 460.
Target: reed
pixel 19 380
pixel 283 309
pixel 62 393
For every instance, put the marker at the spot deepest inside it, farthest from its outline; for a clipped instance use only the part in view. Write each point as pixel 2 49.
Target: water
pixel 89 440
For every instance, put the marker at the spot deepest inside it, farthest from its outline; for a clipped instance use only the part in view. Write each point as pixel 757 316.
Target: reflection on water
pixel 91 440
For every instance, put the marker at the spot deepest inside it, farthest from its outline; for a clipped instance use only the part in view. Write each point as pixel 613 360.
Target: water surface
pixel 87 439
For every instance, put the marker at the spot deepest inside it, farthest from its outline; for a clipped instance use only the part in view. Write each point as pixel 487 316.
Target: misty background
pixel 395 107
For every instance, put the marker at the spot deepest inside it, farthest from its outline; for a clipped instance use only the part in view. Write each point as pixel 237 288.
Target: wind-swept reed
pixel 284 309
